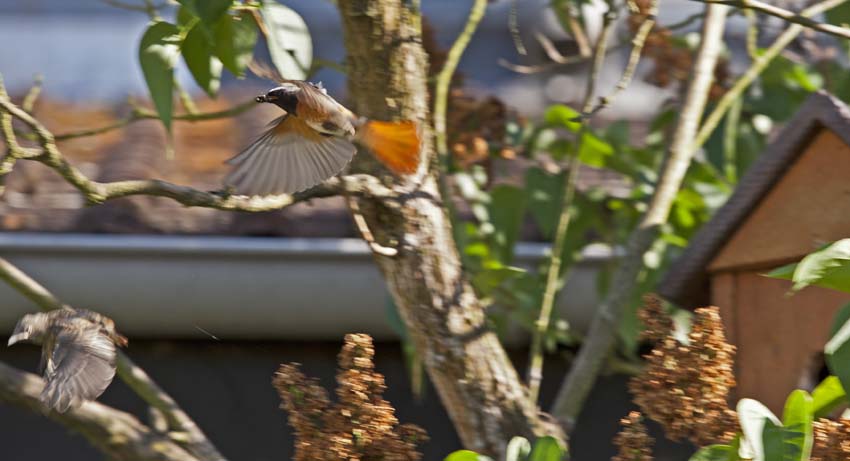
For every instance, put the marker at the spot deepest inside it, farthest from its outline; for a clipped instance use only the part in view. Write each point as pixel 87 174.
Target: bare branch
pixel 444 78
pixel 634 57
pixel 130 373
pixel 144 114
pixel 565 11
pixel 97 192
pixel 603 330
pixel 786 15
pixel 118 434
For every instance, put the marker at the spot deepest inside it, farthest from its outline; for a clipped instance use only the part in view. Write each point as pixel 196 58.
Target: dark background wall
pixel 226 387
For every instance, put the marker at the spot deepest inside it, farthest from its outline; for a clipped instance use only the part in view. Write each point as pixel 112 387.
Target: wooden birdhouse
pixel 793 199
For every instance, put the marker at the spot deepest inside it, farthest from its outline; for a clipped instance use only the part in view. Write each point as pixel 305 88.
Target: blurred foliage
pixel 499 211
pixel 213 35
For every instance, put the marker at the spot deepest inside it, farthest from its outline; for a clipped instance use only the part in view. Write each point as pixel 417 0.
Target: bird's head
pixel 30 328
pixel 285 96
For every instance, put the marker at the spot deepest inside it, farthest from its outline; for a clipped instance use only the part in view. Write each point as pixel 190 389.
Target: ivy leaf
pixel 158 53
pixel 198 54
pixel 290 45
pixel 235 37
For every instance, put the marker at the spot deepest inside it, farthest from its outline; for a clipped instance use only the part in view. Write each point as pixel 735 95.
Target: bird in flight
pixel 313 141
pixel 78 349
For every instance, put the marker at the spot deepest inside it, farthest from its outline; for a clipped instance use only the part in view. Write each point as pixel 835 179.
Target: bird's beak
pixel 260 98
pixel 23 336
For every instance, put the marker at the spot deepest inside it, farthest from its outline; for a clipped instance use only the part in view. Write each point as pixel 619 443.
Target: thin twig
pixel 603 330
pixel 566 13
pixel 144 114
pixel 786 15
pixel 129 372
pixel 117 434
pixel 444 78
pixel 752 34
pixel 513 27
pixel 97 192
pixel 553 271
pixel 32 95
pixel 634 58
pixel 756 68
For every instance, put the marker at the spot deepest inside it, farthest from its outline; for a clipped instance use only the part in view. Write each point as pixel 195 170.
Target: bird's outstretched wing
pixel 289 157
pixel 80 367
pixel 265 71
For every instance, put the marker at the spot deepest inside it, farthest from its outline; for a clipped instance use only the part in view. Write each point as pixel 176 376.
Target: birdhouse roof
pixel 687 281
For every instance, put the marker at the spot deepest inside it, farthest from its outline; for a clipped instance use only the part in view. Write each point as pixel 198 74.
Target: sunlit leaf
pixel 562 116
pixel 828 267
pixel 797 426
pixel 290 45
pixel 828 396
pixel 159 50
pixel 465 455
pixel 547 449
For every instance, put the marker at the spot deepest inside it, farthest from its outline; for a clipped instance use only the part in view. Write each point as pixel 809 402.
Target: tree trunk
pixel 480 388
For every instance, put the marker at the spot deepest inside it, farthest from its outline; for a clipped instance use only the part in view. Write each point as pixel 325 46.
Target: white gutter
pixel 233 287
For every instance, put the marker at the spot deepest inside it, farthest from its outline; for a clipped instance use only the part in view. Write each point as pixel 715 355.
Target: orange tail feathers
pixel 395 144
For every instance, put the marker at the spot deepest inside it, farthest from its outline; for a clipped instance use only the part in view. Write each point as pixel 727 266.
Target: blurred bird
pixel 77 354
pixel 313 141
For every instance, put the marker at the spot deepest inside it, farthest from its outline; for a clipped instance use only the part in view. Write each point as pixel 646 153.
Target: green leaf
pixel 828 267
pixel 797 423
pixel 198 54
pixel 210 11
pixel 507 208
pixel 159 50
pixel 773 442
pixel 235 37
pixel 837 350
pixel 464 455
pixel 547 449
pixel 713 453
pixel 828 396
pixel 545 196
pixel 290 45
pixel 489 279
pixel 594 151
pixel 562 116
